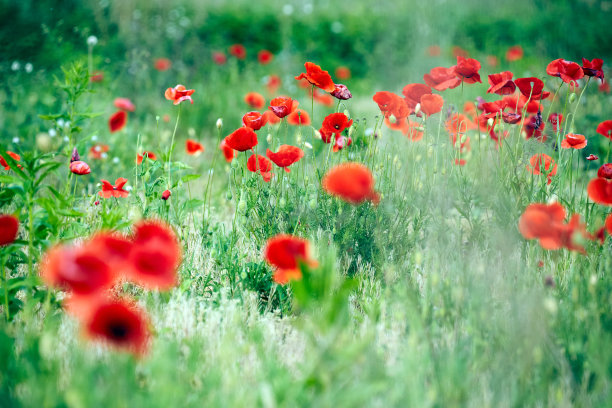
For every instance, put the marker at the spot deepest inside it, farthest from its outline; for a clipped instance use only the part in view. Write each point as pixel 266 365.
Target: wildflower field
pixel 305 203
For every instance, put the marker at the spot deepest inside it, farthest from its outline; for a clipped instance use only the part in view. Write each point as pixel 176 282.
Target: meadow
pixel 306 204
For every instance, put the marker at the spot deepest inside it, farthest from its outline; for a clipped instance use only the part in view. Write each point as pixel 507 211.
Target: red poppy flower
pixel 341 92
pixel 140 157
pixel 255 100
pixel 98 151
pixel 124 104
pixel 492 60
pixel 265 57
pixel 391 104
pixel 120 324
pixel 336 123
pixel 274 82
pixel 79 167
pixel 97 76
pixel 3 162
pixel 604 87
pixel 431 104
pixel 532 88
pixel 285 253
pixel 413 131
pixel 352 182
pixel 228 152
pixel 281 106
pixel 238 51
pixel 114 248
pixel 434 50
pixel 412 94
pixel 162 64
pixel 592 157
pixel 574 141
pixel 600 191
pixel 219 58
pixel 458 51
pixel 459 123
pixel 568 71
pixel 605 171
pixel 514 53
pixel 179 94
pixel 605 129
pixel 298 117
pixel 555 120
pixel 108 190
pixel 155 256
pixel 270 118
pixel 608 224
pixel 542 164
pixel 285 156
pixel 193 147
pixel 323 98
pixel 242 139
pixel 259 164
pixel 534 128
pixel 9 226
pixel 540 221
pixel 341 142
pixel 82 270
pixel 511 117
pixel 117 121
pixel 254 120
pixel 343 72
pixel 593 68
pixel 440 78
pixel 467 70
pixel 317 77
pixel 501 83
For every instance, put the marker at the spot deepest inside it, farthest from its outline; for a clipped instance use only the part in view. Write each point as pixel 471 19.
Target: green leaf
pixel 190 177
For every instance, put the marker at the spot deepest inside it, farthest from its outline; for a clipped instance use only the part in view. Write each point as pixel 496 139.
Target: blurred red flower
pixel 254 120
pixel 255 100
pixel 352 182
pixel 265 57
pixel 555 120
pixel 108 190
pixel 193 147
pixel 117 121
pixel 98 151
pixel 343 72
pixel 238 51
pixel 274 82
pixel 605 129
pixel 285 156
pixel 270 118
pixel 323 98
pixel 124 104
pixel 467 70
pixel 545 222
pixel 140 157
pixel 542 164
pixel 434 51
pixel 259 164
pixel 179 94
pixel 514 53
pixel 242 139
pixel 13 155
pixel 97 76
pixel 534 128
pixel 431 104
pixel 593 68
pixel 284 253
pixel 412 94
pixel 228 152
pixel 9 226
pixel 166 195
pixel 440 78
pixel 162 64
pixel 317 77
pixel 219 58
pixel 573 141
pixel 298 117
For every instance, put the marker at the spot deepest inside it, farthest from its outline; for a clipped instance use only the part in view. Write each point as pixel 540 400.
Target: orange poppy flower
pixel 467 70
pixel 317 77
pixel 600 191
pixel 284 253
pixel 193 147
pixel 269 117
pixel 413 93
pixel 9 226
pixel 97 76
pixel 219 58
pixel 228 152
pixel 79 167
pixel 255 100
pixel 501 83
pixel 391 104
pixel 140 157
pixel 124 104
pixel 265 57
pixel 352 182
pixel 281 106
pixel 179 94
pixel 259 164
pixel 413 131
pixel 120 324
pixel 238 51
pixel 336 123
pixel 343 72
pixel 285 156
pixel 108 190
pixel 323 98
pixel 431 104
pixel 459 123
pixel 298 117
pixel 440 78
pixel 117 121
pixel 605 129
pixel 254 120
pixel 608 224
pixel 242 139
pixel 573 141
pixel 514 53
pixel 543 222
pixel 98 151
pixel 114 248
pixel 162 64
pixel 3 162
pixel 542 164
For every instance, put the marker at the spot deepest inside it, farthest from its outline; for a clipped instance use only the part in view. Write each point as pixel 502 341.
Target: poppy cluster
pixel 320 80
pixel 92 271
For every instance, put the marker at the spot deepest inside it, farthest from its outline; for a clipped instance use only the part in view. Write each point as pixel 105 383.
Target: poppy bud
pixel 417 108
pixel 351 131
pixel 308 145
pixel 347 113
pixel 228 195
pixel 312 204
pixel 269 138
pixel 572 98
pixel 166 195
pixel 235 164
pixel 282 202
pixel 242 206
pixel 490 122
pixel 43 142
pixel 97 202
pixel 317 134
pixel 392 119
pixel 157 118
pixel 75 155
pixel 299 138
pixel 219 123
pixel 92 40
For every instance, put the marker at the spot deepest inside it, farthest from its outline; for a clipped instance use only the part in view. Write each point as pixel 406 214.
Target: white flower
pixel 29 67
pixel 116 160
pixel 287 9
pixel 219 123
pixel 94 138
pixel 52 132
pixel 92 40
pixel 15 140
pixel 308 145
pixel 15 66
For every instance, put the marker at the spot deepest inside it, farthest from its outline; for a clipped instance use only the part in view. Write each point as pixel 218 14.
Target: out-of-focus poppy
pixel 242 139
pixel 98 151
pixel 117 121
pixel 555 120
pixel 109 190
pixel 568 71
pixel 298 117
pixel 457 51
pixel 604 87
pixel 119 324
pixel 166 195
pixel 274 82
pixel 511 117
pixel 592 157
pixel 542 164
pixel 238 51
pixel 543 222
pixel 434 51
pixel 492 60
pixel 140 157
pixel 605 171
pixel 343 72
pixel 440 78
pixel 514 53
pixel 260 164
pixel 532 88
pixel 467 70
pixel 255 100
pixel 228 152
pixel 352 182
pixel 113 248
pixel 323 98
pixel 179 94
pixel 9 226
pixel 608 224
pixel 336 123
pixel 431 104
pixel 219 58
pixel 97 76
pixel 162 64
pixel 341 92
pixel 281 106
pixel 605 129
pixel 193 147
pixel 79 167
pixel 341 142
pixel 13 155
pixel 124 104
pixel 593 68
pixel 285 156
pixel 254 120
pixel 413 131
pixel 573 141
pixel 155 255
pixel 600 191
pixel 270 118
pixel 265 57
pixel 317 77
pixel 391 104
pixel 501 84
pixel 412 94
pixel 284 253
pixel 459 124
